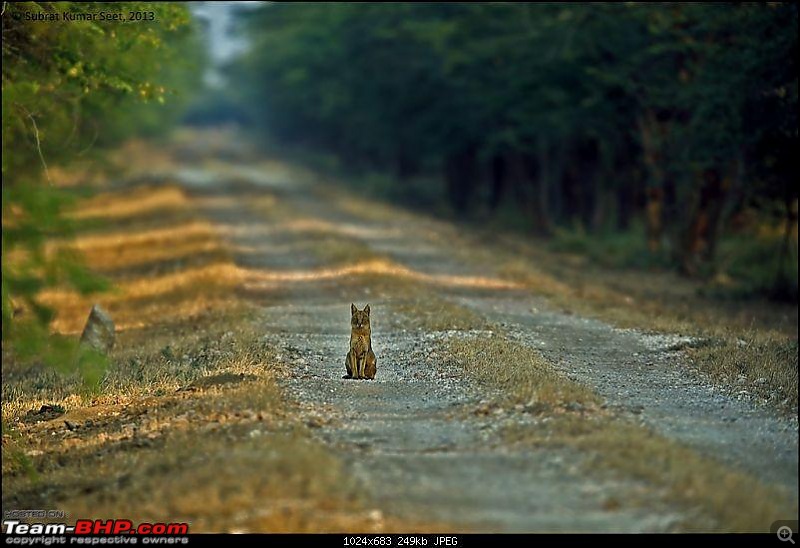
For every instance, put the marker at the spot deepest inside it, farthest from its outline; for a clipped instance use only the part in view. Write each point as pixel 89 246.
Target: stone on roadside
pixel 99 330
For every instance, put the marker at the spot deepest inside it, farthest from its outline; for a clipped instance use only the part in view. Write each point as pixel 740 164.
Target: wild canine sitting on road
pixel 360 361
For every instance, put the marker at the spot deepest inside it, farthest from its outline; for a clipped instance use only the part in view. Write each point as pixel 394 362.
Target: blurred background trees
pixel 585 123
pixel 640 135
pixel 70 90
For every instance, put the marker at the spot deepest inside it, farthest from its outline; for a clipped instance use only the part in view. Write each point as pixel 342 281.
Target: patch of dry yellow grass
pixel 236 477
pixel 763 363
pixel 139 201
pixel 118 241
pixel 521 374
pixel 428 312
pixel 138 302
pixel 169 251
pixel 137 155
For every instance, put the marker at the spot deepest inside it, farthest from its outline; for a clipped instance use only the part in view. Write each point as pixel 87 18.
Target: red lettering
pixel 122 526
pixel 83 527
pixel 103 528
pixel 178 529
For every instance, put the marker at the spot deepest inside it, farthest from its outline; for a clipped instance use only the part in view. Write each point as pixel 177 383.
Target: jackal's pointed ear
pixel 353 309
pixel 366 309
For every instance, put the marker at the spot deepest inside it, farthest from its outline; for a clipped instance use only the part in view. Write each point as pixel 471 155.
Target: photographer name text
pixel 93 16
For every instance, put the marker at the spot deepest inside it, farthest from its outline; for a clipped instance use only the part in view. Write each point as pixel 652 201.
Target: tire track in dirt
pixel 644 375
pixel 405 436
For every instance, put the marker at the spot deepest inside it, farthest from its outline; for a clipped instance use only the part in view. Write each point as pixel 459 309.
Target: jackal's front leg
pixel 348 364
pixel 361 361
pixel 370 365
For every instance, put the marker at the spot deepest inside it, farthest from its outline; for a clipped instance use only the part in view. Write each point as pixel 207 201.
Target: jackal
pixel 360 361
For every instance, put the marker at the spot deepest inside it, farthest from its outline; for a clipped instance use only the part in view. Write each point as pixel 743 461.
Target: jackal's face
pixel 359 319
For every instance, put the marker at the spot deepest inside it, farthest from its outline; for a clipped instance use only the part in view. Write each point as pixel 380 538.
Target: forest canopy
pixel 678 121
pixel 73 87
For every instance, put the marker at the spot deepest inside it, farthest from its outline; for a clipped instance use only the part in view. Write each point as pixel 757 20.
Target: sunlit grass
pixel 141 303
pixel 141 200
pixel 201 284
pixel 189 423
pixel 166 246
pixel 138 302
pixel 106 242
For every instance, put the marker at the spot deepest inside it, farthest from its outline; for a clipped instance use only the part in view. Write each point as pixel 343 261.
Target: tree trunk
pixel 653 218
pixel 626 199
pixel 701 237
pixel 405 166
pixel 545 222
pixel 625 203
pixel 782 286
pixel 451 180
pixel 671 216
pixel 460 173
pixel 603 202
pixel 537 171
pixel 499 173
pixel 716 210
pixel 587 182
pixel 654 208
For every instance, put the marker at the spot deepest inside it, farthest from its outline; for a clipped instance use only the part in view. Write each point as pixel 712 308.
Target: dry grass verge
pixel 521 374
pixel 753 339
pixel 427 312
pixel 761 364
pixel 188 423
pixel 223 456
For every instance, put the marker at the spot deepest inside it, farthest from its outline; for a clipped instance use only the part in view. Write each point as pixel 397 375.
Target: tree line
pixel 677 118
pixel 72 89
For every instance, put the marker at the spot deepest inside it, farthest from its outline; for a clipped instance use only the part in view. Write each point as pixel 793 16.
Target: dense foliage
pixel 70 88
pixel 678 118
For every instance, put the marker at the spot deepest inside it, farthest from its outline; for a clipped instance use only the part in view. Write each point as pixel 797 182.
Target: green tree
pixel 592 115
pixel 70 87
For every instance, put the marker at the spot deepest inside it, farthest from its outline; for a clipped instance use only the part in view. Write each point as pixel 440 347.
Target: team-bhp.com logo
pixel 94 527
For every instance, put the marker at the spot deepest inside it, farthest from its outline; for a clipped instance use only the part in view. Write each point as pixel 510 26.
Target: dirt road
pixel 414 438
